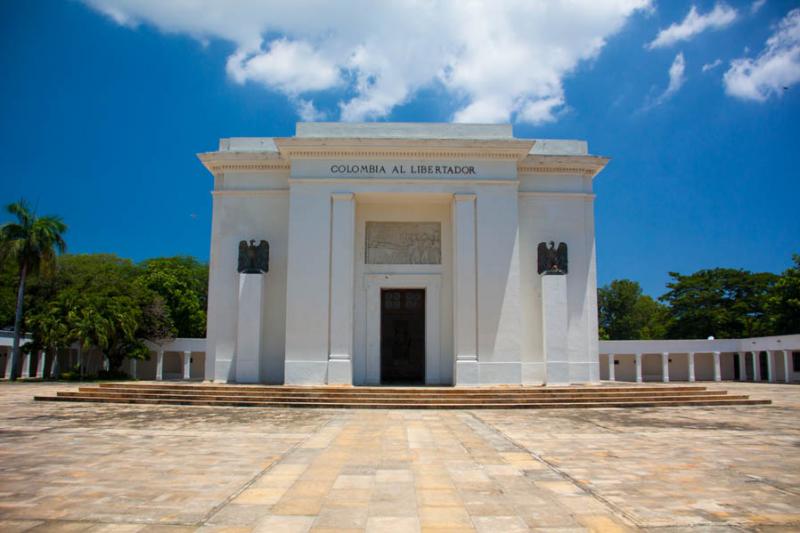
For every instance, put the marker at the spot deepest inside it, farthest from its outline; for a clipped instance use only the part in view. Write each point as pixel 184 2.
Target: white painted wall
pixel 241 211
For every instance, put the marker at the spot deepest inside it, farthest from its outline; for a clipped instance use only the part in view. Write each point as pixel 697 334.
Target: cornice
pixel 313 148
pixel 250 192
pixel 578 165
pixel 557 195
pixel 225 161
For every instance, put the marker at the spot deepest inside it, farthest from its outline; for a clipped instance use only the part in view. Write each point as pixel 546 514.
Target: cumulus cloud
pixel 711 66
pixel 677 77
pixel 498 61
pixel 756 6
pixel 693 24
pixel 776 67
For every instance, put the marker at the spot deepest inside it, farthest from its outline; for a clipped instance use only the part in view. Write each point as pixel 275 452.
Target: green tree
pixel 50 328
pixel 103 305
pixel 182 282
pixel 720 302
pixel 627 314
pixel 783 302
pixel 33 242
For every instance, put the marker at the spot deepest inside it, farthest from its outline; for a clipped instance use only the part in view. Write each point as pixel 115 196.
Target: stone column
pixel 79 354
pixel 187 364
pixel 40 363
pixel 742 366
pixel 770 366
pixel 717 368
pixel 248 327
pixel 787 376
pixel 611 370
pixel 554 327
pixel 160 365
pixel 665 367
pixel 134 365
pixel 638 360
pixel 691 367
pixel 343 227
pixel 25 371
pixel 465 286
pixel 55 370
pixel 756 366
pixel 8 365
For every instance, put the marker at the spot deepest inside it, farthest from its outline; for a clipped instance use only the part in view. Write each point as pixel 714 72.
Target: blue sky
pixel 103 106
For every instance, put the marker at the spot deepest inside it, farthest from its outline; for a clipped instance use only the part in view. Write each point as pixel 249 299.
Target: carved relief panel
pixel 404 243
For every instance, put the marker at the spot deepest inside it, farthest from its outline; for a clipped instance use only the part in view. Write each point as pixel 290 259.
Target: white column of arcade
pixel 665 367
pixel 770 366
pixel 187 364
pixel 756 366
pixel 465 285
pixel 40 365
pixel 343 225
pixel 691 367
pixel 25 371
pixel 787 354
pixel 8 365
pixel 160 365
pixel 742 366
pixel 611 375
pixel 638 360
pixel 717 367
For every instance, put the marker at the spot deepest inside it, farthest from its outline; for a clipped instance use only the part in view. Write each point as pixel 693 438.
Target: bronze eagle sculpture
pixel 552 260
pixel 253 258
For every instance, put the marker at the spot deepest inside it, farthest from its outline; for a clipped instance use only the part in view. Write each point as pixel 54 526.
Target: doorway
pixel 403 336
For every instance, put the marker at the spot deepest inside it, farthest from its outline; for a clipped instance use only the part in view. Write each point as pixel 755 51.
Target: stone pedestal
pixel 554 328
pixel 248 327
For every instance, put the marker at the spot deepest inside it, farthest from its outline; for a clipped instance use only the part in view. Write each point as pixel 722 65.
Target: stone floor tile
pixel 284 524
pixel 18 526
pixel 235 514
pixel 392 524
pixel 495 524
pixel 444 517
pixel 342 518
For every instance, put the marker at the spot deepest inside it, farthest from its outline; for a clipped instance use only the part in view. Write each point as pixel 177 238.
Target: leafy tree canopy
pixel 182 283
pixel 723 302
pixel 627 314
pixel 783 302
pixel 110 303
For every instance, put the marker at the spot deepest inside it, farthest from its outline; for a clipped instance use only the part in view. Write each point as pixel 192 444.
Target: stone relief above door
pixel 404 243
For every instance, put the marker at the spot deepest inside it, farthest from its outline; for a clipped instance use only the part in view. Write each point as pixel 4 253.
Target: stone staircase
pixel 404 397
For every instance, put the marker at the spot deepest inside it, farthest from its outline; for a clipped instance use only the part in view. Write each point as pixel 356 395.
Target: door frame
pixel 432 284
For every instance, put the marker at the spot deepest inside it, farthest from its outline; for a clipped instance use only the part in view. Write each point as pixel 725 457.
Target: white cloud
pixel 776 67
pixel 756 6
pixel 694 23
pixel 711 66
pixel 677 77
pixel 501 61
pixel 278 67
pixel 307 112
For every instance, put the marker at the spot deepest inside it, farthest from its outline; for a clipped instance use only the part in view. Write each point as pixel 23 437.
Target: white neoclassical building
pixel 402 253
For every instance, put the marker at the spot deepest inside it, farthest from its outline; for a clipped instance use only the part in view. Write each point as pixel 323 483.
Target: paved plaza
pixel 99 467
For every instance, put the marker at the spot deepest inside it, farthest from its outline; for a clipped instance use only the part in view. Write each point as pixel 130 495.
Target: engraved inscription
pixel 404 243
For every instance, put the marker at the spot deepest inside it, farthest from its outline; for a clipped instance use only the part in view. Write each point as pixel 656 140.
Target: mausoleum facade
pixel 402 254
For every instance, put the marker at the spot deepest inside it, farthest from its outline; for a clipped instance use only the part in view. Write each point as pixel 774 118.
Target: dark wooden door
pixel 403 336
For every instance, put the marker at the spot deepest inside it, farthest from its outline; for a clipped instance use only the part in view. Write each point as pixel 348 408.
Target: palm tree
pixel 33 243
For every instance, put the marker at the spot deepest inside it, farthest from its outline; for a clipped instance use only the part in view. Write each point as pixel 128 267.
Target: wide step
pixel 403 397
